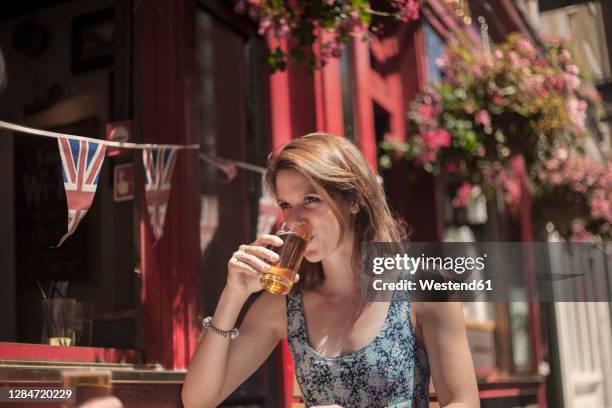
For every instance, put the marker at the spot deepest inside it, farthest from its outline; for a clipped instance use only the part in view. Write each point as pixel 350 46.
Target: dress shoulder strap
pixel 295 317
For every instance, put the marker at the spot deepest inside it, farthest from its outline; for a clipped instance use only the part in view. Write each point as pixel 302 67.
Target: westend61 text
pixel 432 285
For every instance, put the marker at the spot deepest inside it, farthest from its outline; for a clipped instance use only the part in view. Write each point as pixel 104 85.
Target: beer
pixel 87 385
pixel 279 279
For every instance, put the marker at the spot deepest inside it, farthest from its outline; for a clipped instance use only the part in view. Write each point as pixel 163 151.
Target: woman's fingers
pixel 236 262
pixel 268 240
pixel 260 252
pixel 252 260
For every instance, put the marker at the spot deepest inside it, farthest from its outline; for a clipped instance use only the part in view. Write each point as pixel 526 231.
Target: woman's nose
pixel 294 215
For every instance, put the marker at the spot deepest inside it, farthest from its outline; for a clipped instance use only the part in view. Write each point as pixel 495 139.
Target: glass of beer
pixel 279 279
pixel 87 385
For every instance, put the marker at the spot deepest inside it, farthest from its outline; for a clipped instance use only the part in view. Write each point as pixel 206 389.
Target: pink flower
pixel 483 118
pixel 498 100
pixel 499 54
pixel 464 195
pixel 437 139
pixel 552 164
pixel 572 82
pixel 561 153
pixel 565 56
pixel 427 111
pixel 407 9
pixel 555 83
pixel 451 167
pixel 428 157
pixel 600 208
pixel 444 138
pixel 514 59
pixel 577 112
pixel 475 70
pixel 579 233
pixel 556 179
pixel 572 69
pixel 525 46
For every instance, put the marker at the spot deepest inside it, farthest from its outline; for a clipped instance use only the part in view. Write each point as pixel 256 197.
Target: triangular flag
pixel 268 212
pixel 81 165
pixel 209 220
pixel 158 166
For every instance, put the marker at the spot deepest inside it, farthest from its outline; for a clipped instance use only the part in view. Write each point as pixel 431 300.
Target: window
pixel 233 111
pixel 97 261
pixel 435 47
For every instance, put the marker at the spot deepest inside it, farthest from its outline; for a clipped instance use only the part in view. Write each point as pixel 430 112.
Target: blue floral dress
pixel 391 371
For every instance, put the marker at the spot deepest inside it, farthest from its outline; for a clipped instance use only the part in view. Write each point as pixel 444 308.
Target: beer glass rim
pixel 302 228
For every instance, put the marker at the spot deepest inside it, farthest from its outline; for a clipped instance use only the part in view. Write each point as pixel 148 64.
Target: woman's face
pixel 299 202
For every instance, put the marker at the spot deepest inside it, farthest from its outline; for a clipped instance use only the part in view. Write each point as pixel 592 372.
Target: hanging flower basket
pixel 574 192
pixel 303 22
pixel 492 106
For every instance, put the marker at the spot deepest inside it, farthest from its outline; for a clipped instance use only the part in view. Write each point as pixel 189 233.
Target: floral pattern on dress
pixel 391 371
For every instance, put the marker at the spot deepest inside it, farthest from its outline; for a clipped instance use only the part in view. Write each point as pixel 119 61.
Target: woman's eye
pixel 310 199
pixel 283 205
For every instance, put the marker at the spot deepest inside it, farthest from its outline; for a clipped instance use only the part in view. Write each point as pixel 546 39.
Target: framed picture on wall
pixel 93 37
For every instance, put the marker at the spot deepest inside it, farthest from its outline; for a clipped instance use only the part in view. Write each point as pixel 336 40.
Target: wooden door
pixel 584 340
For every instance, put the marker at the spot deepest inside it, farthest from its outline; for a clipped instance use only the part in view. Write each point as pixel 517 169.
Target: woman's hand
pixel 249 263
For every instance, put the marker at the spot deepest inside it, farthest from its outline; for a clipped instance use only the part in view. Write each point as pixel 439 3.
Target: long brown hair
pixel 339 173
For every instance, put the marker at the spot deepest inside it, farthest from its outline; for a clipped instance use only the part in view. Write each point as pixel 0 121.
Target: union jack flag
pixel 158 165
pixel 81 164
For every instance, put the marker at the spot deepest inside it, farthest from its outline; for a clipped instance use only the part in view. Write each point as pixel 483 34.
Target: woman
pixel 346 352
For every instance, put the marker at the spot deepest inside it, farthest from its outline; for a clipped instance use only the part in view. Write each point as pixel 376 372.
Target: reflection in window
pixel 435 47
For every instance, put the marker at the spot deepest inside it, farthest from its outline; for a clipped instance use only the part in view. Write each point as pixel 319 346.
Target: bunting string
pixel 228 166
pixel 108 143
pixel 248 166
pixel 82 159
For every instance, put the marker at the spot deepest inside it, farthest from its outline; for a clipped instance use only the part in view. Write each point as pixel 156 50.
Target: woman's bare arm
pixel 220 365
pixel 442 328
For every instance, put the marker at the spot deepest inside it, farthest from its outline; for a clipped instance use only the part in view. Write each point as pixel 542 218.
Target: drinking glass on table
pixel 279 279
pixel 58 321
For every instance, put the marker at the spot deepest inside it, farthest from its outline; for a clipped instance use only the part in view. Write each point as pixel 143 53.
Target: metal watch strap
pixel 228 334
